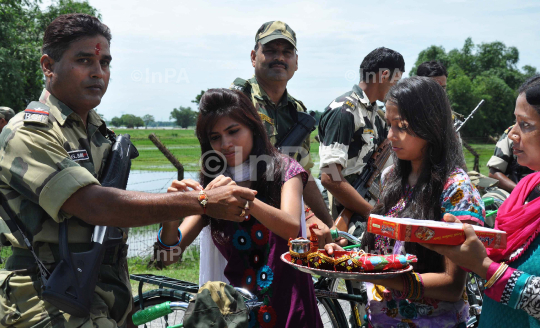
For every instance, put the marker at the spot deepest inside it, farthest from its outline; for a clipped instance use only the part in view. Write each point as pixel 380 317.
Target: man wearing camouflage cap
pixel 275 61
pixel 6 114
pixel 52 156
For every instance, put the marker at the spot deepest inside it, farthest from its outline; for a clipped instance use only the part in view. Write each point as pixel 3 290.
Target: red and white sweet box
pixel 431 232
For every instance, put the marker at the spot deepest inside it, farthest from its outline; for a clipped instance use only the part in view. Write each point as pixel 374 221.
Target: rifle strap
pixel 14 224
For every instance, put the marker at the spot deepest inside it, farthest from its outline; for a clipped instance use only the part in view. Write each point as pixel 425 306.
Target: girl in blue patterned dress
pixel 425 182
pixel 236 150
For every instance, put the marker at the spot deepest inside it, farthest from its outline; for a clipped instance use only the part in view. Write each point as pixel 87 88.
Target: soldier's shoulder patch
pixel 239 84
pixel 266 118
pixel 36 112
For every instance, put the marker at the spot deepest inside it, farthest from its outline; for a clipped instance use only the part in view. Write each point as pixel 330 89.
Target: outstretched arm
pixel 99 205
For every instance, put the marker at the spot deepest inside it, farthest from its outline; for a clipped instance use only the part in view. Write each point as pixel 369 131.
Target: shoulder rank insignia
pixel 36 112
pixel 266 118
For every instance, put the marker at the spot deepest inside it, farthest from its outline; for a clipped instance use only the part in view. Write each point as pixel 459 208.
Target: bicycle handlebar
pixel 336 234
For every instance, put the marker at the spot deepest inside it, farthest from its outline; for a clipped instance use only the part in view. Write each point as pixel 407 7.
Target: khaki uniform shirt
pixel 46 155
pixel 276 118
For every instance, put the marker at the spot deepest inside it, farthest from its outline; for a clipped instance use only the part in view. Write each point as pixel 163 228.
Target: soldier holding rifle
pixel 275 61
pixel 52 156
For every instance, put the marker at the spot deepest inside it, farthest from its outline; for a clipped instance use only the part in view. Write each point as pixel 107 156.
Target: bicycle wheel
pixel 158 296
pixel 331 313
pixel 326 311
pixel 338 285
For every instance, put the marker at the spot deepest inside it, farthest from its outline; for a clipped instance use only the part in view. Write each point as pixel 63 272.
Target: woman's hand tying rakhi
pixel 184 185
pixel 471 254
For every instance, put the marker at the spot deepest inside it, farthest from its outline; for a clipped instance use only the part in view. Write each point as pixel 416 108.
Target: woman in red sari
pixel 512 274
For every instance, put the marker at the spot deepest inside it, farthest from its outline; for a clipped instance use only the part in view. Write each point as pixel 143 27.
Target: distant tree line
pixel 485 71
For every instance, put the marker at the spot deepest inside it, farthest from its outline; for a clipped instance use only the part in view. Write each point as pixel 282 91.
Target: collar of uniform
pixel 260 94
pixel 362 97
pixel 61 111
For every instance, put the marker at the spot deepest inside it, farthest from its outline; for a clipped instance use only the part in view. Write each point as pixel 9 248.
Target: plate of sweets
pixel 305 256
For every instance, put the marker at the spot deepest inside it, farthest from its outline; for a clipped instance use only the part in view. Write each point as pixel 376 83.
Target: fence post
pixel 476 166
pixel 174 161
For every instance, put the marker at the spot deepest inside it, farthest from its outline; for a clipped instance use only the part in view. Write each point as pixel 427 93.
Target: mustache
pixel 277 62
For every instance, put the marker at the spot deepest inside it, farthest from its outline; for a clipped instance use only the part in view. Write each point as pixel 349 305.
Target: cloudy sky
pixel 165 51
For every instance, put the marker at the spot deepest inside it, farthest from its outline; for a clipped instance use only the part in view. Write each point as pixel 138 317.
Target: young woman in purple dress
pixel 236 150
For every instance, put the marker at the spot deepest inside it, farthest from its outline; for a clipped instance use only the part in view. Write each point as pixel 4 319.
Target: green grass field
pixel 185 146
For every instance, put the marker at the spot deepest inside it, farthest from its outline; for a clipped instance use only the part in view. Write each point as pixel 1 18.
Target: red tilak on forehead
pixel 98 49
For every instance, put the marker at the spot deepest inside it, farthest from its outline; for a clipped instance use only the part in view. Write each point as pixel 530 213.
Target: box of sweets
pixel 431 232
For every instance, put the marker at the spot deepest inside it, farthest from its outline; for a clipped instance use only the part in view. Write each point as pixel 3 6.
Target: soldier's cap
pixel 216 305
pixel 6 113
pixel 274 30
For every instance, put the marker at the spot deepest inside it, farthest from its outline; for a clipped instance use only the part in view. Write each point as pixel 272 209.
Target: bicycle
pixel 165 306
pixel 162 307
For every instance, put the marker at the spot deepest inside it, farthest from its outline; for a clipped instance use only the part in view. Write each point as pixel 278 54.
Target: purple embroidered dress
pixel 253 254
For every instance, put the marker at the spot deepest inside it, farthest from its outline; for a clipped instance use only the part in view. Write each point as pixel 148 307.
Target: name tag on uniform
pixel 36 116
pixel 78 155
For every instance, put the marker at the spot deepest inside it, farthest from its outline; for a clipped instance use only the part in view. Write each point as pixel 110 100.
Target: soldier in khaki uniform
pixel 52 156
pixel 275 61
pixel 503 165
pixel 6 114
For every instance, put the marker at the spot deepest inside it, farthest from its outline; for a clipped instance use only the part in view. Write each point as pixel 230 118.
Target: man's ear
pixel 47 65
pixel 385 76
pixel 253 55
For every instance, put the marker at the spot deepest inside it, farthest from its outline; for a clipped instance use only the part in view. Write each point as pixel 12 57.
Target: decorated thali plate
pixel 365 276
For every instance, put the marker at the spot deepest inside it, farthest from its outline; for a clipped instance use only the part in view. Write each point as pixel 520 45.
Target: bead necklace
pixel 383 243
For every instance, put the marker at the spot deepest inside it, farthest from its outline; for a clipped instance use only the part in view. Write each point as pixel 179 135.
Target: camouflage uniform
pixel 46 155
pixel 6 113
pixel 506 162
pixel 350 129
pixel 277 119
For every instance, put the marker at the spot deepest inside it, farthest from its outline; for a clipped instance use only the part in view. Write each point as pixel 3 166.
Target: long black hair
pixel 423 103
pixel 268 170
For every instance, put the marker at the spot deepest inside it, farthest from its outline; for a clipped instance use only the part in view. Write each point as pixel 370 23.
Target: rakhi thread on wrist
pixel 307 210
pixel 164 246
pixel 203 200
pixel 310 216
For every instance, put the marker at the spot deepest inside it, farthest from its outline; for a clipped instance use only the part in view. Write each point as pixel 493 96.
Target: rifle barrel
pixel 471 114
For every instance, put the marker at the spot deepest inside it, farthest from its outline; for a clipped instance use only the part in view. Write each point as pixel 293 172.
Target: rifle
pixel 292 141
pixel 71 285
pixel 364 184
pixel 458 125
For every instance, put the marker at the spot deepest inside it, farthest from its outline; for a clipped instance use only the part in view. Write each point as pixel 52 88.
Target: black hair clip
pixel 533 95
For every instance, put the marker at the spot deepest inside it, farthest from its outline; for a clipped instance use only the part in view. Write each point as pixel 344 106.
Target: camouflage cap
pixel 6 113
pixel 216 305
pixel 274 30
